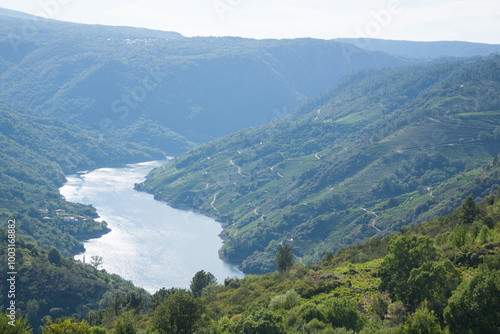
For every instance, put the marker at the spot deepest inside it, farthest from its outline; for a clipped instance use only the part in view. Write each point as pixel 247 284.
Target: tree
pixel 21 326
pixel 284 258
pixel 178 314
pixel 159 297
pixel 96 261
pixel 201 280
pixel 124 325
pixel 67 326
pixel 475 305
pixel 32 308
pixel 424 322
pixel 327 257
pixel 468 211
pixel 405 253
pixel 459 237
pixel 261 321
pixel 379 305
pixel 343 312
pixel 483 235
pixel 434 282
pixel 54 257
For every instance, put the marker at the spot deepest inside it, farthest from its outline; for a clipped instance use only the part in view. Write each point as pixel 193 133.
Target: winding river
pixel 150 243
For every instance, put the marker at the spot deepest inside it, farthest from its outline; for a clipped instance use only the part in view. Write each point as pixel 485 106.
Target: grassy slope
pixel 257 301
pixel 381 150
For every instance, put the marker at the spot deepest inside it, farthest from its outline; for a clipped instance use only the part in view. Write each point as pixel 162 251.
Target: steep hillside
pixel 35 153
pixel 107 78
pixel 442 276
pixel 381 150
pixel 50 286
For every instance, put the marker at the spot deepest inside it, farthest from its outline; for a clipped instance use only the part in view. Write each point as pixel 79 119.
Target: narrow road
pixel 317 157
pixel 319 112
pixel 429 189
pixel 213 202
pixel 372 222
pixel 408 200
pixel 239 168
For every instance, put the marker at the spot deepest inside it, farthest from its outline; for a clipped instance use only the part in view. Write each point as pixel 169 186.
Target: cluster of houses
pixel 66 217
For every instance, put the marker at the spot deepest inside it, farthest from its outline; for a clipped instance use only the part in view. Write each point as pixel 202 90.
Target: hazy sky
pixel 424 20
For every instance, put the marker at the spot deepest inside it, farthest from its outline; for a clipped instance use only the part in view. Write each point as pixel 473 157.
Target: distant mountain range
pixel 106 78
pixel 424 49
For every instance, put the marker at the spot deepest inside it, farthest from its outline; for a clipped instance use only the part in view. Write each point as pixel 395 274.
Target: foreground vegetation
pixel 442 276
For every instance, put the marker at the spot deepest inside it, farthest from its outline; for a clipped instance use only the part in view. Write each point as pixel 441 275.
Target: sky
pixel 417 20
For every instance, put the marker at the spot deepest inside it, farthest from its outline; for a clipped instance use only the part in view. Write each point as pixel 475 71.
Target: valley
pixel 354 182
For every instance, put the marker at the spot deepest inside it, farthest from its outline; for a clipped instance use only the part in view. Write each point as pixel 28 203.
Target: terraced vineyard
pixel 381 150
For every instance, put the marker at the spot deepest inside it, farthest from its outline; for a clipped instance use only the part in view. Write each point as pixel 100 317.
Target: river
pixel 150 243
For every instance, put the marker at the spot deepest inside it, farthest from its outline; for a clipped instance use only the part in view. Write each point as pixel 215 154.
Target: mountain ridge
pixel 317 180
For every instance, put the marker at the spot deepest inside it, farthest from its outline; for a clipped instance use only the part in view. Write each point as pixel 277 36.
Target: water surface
pixel 150 243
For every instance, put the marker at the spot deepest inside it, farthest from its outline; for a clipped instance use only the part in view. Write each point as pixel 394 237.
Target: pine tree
pixel 284 258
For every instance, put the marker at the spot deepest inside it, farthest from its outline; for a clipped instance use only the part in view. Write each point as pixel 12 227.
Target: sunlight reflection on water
pixel 150 243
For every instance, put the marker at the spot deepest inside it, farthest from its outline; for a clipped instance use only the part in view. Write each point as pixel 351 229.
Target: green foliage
pixel 66 326
pixel 54 257
pixel 406 253
pixel 309 311
pixel 261 321
pixel 159 297
pixel 124 325
pixel 308 181
pixel 180 313
pixel 459 235
pixel 342 312
pixel 284 258
pixel 96 261
pixel 13 325
pixel 433 282
pixel 397 311
pixel 200 281
pixel 468 211
pixel 327 257
pixel 379 306
pixel 287 301
pixel 483 235
pixel 424 322
pixel 475 305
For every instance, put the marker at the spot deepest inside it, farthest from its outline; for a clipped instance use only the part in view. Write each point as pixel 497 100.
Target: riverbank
pixel 179 242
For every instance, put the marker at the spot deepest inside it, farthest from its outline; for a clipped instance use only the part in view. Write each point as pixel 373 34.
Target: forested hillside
pixel 108 78
pixel 35 152
pixel 379 151
pixel 442 276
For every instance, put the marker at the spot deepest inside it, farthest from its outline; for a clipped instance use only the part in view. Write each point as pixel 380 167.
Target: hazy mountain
pixel 379 151
pixel 202 88
pixel 424 49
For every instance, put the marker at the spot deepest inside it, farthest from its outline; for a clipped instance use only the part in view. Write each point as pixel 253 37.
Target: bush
pixel 286 301
pixel 342 312
pixel 424 321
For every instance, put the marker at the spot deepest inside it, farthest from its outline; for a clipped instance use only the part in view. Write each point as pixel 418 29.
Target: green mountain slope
pixel 35 152
pixel 442 276
pixel 381 150
pixel 107 78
